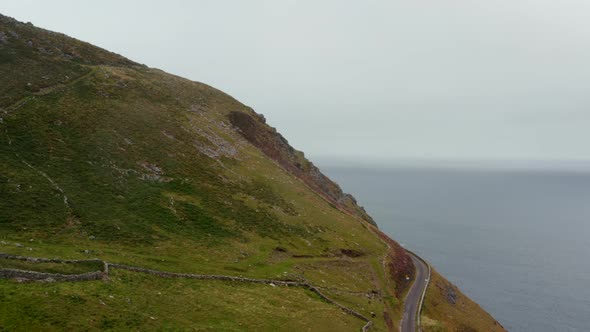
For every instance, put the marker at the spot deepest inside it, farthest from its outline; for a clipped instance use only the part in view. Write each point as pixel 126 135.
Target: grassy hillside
pixel 446 308
pixel 103 157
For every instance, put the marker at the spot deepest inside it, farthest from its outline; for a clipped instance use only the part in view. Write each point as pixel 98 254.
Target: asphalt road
pixel 412 301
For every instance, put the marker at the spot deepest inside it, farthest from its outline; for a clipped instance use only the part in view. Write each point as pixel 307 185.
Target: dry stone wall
pixel 49 277
pixel 24 275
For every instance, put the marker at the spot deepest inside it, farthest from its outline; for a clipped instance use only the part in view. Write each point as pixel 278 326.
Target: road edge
pixel 421 303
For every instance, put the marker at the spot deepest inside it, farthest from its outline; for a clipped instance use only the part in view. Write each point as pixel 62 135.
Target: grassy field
pixel 132 301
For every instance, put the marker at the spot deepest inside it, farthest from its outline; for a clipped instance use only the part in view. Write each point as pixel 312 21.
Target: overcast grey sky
pixel 372 80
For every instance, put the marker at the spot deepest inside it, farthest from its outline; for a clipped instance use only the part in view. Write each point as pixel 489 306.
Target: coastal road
pixel 411 310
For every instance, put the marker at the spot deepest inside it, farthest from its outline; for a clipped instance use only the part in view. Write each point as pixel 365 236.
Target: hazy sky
pixel 371 80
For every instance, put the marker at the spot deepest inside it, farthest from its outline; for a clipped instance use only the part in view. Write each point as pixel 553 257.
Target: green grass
pixel 439 314
pixel 132 301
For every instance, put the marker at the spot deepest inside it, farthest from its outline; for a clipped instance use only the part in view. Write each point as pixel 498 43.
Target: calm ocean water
pixel 516 242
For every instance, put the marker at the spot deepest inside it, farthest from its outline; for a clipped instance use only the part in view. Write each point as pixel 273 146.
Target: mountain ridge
pixel 56 45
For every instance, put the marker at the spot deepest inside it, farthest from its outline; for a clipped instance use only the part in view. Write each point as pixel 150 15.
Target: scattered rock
pixel 18 245
pixel 92 237
pixel 451 295
pixel 43 50
pixel 154 173
pixel 3 38
pixel 196 109
pixel 167 134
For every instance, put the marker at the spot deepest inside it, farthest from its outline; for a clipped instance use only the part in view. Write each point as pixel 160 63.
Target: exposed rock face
pixel 450 295
pixel 254 128
pixel 3 38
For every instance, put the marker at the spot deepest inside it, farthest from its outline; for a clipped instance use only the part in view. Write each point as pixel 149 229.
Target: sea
pixel 516 241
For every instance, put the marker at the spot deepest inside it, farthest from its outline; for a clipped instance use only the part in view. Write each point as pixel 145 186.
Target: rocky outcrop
pixel 450 294
pixel 254 129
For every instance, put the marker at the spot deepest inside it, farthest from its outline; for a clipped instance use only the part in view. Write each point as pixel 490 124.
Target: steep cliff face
pixel 254 128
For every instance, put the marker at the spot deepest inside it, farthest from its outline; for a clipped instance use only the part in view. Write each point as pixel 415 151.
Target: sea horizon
pixel 474 164
pixel 512 239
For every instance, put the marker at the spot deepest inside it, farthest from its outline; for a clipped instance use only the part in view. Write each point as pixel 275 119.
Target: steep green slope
pixel 103 157
pixel 446 308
